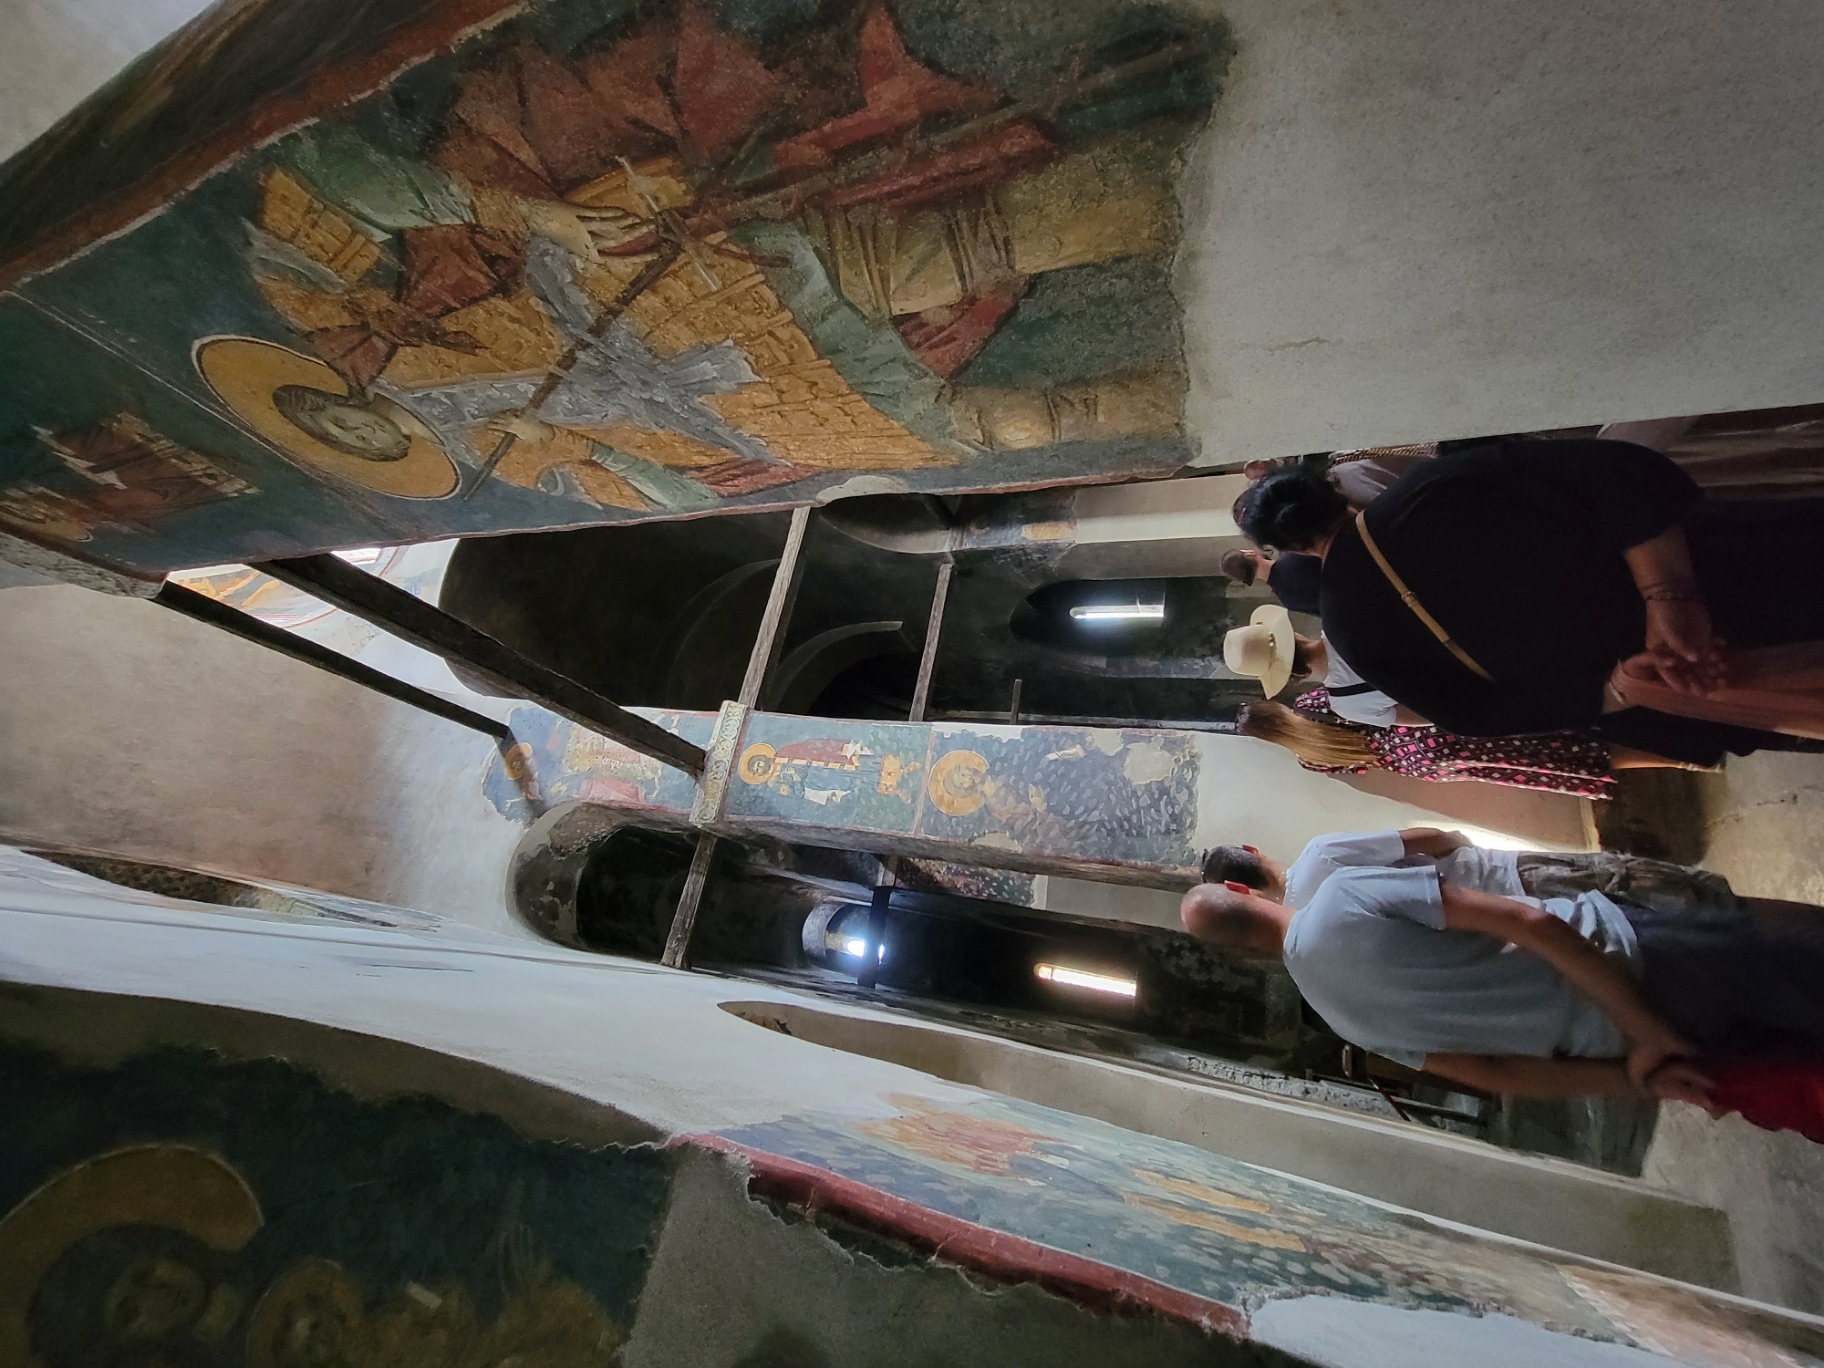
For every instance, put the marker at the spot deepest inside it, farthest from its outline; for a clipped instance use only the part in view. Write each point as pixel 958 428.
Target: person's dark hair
pixel 1239 565
pixel 1290 509
pixel 1237 864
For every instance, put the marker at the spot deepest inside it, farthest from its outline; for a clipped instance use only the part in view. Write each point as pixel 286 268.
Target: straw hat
pixel 1263 649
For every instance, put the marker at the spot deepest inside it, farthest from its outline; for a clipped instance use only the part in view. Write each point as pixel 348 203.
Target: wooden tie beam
pixel 875 934
pixel 760 661
pixel 217 614
pixel 410 618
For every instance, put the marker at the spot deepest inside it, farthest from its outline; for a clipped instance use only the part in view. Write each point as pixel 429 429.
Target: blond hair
pixel 1321 745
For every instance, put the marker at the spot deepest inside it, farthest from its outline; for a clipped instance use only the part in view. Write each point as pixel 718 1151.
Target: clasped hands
pixel 1660 1066
pixel 1682 646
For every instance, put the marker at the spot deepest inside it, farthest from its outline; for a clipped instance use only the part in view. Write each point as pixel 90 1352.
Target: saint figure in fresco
pixel 133 477
pixel 838 230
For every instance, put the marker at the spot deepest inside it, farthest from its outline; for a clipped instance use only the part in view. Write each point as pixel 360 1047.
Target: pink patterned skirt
pixel 1555 762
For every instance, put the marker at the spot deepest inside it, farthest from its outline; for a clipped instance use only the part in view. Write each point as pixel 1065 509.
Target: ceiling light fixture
pixel 1082 978
pixel 1119 612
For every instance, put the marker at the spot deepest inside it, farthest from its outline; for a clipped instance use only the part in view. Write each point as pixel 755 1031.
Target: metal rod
pixel 422 624
pixel 1013 708
pixel 217 614
pixel 934 627
pixel 677 944
pixel 774 621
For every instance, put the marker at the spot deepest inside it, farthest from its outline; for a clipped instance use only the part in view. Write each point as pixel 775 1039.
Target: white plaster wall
pixel 1416 219
pixel 129 730
pixel 57 51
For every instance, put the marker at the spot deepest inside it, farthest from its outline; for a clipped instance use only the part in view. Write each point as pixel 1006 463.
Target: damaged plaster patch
pixel 1147 764
pixel 996 840
pixel 1108 742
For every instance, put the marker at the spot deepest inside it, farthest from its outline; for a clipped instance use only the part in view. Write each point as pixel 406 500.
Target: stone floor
pixel 1763 822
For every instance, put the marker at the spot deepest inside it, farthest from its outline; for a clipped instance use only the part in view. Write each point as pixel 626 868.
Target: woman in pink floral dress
pixel 1555 762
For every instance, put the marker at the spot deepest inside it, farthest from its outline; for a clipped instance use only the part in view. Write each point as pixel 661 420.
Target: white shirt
pixel 1490 871
pixel 1370 707
pixel 1373 956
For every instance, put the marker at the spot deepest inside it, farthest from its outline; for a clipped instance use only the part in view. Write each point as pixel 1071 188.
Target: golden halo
pixel 245 372
pixel 161 1185
pixel 956 782
pixel 759 763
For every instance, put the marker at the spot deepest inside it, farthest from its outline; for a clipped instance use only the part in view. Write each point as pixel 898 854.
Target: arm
pixel 1679 636
pixel 1531 1076
pixel 1533 929
pixel 1404 716
pixel 1432 843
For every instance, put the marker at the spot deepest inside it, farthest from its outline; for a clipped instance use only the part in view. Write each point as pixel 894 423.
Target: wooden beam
pixel 921 695
pixel 934 627
pixel 677 943
pixel 778 615
pixel 244 625
pixel 422 624
pixel 760 661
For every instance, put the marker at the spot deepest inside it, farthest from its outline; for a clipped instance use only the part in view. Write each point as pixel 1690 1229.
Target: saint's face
pixel 153 1297
pixel 360 432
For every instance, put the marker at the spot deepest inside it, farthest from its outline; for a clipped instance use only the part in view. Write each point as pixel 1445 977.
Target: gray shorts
pixel 1657 885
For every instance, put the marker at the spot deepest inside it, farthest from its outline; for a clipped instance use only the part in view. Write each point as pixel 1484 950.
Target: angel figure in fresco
pixel 664 270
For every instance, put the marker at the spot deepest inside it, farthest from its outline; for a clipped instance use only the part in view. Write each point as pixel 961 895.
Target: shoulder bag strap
pixel 1411 600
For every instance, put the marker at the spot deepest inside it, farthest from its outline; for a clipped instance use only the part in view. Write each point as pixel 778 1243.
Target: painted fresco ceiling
pixel 598 261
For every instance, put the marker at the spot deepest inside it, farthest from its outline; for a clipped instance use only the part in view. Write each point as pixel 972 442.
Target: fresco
pixel 1207 1238
pixel 1063 796
pixel 1037 791
pixel 183 1210
pixel 608 261
pixel 574 764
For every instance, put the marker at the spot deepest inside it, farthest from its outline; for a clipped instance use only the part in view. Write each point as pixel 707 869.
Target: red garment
pixel 1774 1094
pixel 898 93
pixel 944 339
pixel 447 267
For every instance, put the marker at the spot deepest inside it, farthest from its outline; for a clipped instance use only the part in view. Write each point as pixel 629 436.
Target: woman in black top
pixel 1547 563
